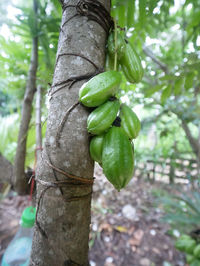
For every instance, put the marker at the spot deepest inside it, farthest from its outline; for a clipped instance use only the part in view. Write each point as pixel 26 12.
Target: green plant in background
pixel 191 248
pixel 182 212
pixel 8 135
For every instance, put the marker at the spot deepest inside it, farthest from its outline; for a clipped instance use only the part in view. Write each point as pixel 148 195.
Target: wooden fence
pixel 170 170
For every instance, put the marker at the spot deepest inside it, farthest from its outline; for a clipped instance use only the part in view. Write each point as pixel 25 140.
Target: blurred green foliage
pixel 165 97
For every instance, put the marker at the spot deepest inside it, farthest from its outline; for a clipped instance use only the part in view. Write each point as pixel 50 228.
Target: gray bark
pixel 6 170
pixel 20 182
pixel 66 223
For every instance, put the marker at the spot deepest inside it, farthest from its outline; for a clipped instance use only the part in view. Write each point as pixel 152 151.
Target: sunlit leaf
pixel 166 93
pixel 130 13
pixel 178 86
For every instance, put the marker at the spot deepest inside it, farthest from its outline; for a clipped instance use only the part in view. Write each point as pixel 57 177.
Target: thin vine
pixel 115 36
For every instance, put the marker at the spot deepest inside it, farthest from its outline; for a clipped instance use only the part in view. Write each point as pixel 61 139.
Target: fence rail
pixel 170 169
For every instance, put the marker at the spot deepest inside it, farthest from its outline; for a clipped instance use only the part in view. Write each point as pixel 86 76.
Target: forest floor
pixel 126 227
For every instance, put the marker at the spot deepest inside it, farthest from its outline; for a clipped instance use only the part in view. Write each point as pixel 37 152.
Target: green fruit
pixel 121 45
pixel 129 122
pixel 96 146
pixel 196 251
pixel 100 88
pixel 117 157
pixel 131 64
pixel 102 117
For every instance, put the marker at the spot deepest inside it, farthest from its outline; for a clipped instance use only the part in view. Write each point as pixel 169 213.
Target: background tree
pixel 28 24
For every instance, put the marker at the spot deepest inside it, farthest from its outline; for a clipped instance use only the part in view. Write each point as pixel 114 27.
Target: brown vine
pixel 72 180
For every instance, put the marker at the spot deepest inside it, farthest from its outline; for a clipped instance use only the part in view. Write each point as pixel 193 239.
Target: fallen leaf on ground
pixel 121 229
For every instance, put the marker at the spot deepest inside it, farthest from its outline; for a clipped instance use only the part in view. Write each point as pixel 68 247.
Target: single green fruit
pixel 102 117
pixel 131 64
pixel 99 88
pixel 96 146
pixel 129 122
pixel 196 251
pixel 117 157
pixel 121 45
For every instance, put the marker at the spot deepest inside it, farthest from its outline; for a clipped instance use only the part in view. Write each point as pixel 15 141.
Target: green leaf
pixel 166 93
pixel 152 90
pixel 130 13
pixel 189 80
pixel 142 12
pixel 168 77
pixel 121 14
pixel 178 86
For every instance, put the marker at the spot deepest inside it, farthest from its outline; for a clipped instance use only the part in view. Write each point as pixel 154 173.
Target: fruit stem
pixel 115 36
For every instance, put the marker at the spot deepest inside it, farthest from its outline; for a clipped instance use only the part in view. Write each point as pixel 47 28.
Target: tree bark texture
pixel 64 213
pixel 38 125
pixel 20 180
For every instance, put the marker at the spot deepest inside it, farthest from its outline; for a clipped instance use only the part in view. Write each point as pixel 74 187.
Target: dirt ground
pixel 126 227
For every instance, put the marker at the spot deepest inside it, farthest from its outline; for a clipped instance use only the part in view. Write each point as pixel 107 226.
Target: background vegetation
pixel 166 36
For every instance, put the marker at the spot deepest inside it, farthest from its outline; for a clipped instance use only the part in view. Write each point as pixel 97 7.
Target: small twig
pixel 149 53
pixel 76 54
pixel 54 173
pixel 68 20
pixel 42 231
pixel 60 127
pixel 72 81
pixel 77 178
pixel 65 6
pixel 115 60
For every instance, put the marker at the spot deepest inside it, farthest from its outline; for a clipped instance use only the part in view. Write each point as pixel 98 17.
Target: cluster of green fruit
pixel 192 249
pixel 113 125
pixel 111 147
pixel 127 57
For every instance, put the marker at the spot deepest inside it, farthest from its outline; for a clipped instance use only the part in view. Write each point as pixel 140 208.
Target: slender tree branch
pixel 149 53
pixel 20 182
pixel 192 140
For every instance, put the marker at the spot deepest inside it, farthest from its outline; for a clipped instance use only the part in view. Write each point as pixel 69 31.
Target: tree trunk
pixel 63 216
pixel 20 182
